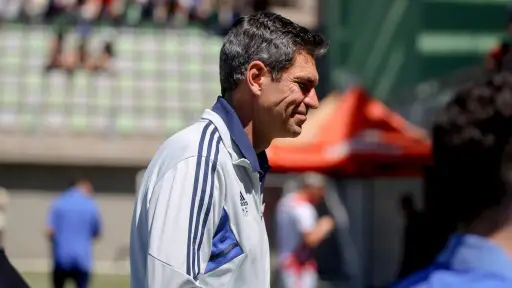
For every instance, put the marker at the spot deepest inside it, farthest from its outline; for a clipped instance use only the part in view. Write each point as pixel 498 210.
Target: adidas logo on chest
pixel 244 205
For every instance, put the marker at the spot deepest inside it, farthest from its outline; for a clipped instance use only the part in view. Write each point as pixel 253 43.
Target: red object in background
pixel 352 134
pixel 105 3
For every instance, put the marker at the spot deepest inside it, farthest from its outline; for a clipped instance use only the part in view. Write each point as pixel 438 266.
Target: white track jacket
pixel 198 217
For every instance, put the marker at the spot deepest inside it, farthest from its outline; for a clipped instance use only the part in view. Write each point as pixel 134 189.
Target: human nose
pixel 311 100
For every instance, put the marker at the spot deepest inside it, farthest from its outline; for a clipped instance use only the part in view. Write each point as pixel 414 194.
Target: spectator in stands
pixel 90 11
pixel 85 14
pixel 62 14
pixel 226 12
pixel 182 10
pixel 11 9
pixel 161 10
pixel 66 14
pixel 72 225
pixel 112 9
pixel 472 146
pixel 179 10
pixel 299 231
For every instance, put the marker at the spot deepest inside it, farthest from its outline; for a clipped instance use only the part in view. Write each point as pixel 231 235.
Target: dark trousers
pixel 9 276
pixel 60 276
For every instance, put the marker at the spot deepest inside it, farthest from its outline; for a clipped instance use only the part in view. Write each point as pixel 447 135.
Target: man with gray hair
pixel 299 231
pixel 198 219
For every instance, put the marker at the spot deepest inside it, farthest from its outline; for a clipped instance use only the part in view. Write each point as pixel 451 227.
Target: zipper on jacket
pixel 224 252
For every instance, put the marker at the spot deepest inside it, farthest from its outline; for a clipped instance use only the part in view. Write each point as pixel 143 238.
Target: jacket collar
pixel 231 130
pixel 467 251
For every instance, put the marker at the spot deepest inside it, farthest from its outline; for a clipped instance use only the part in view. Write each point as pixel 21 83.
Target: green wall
pixel 393 44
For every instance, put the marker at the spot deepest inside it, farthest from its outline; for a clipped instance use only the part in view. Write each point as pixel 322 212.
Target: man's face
pixel 317 194
pixel 283 105
pixel 87 186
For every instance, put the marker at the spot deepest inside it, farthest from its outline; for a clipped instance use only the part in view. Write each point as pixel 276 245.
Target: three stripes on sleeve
pixel 202 196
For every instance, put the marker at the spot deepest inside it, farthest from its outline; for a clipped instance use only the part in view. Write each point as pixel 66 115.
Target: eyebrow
pixel 309 80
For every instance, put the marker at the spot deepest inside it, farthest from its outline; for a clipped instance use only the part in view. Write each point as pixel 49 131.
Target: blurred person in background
pixel 472 149
pixel 220 14
pixel 62 14
pixel 227 12
pixel 11 9
pixel 499 58
pixel 4 202
pixel 182 10
pixel 179 11
pixel 496 58
pixel 198 219
pixel 91 11
pixel 299 232
pixel 136 11
pixel 413 236
pixel 160 11
pixel 84 14
pixel 9 276
pixel 81 14
pixel 73 223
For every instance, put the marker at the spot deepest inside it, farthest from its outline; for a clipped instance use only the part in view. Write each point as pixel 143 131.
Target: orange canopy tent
pixel 353 134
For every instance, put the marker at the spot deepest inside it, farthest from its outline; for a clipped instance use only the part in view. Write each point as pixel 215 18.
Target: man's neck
pixel 82 189
pixel 495 226
pixel 503 239
pixel 305 196
pixel 245 113
pixel 256 141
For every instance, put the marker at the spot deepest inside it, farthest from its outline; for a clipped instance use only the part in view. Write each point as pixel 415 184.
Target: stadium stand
pixel 163 79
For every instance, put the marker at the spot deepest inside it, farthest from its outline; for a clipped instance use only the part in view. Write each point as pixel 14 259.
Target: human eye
pixel 302 86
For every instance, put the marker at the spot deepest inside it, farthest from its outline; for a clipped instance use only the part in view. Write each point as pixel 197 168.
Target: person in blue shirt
pixel 73 225
pixel 472 151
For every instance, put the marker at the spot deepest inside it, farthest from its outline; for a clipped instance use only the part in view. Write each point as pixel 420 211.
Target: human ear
pixel 255 76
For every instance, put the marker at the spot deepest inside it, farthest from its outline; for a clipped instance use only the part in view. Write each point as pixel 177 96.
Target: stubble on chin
pixel 295 130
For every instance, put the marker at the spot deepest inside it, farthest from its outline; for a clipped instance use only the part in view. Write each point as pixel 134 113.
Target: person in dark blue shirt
pixel 73 223
pixel 472 149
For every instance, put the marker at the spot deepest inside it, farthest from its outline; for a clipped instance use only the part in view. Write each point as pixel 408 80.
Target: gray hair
pixel 313 179
pixel 266 37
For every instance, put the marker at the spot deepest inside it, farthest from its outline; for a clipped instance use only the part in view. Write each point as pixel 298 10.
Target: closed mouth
pixel 301 116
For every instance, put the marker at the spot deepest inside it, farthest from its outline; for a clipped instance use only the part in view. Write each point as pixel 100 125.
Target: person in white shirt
pixel 299 231
pixel 198 218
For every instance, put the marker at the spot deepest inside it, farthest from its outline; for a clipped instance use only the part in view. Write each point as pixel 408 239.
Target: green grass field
pixel 41 280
